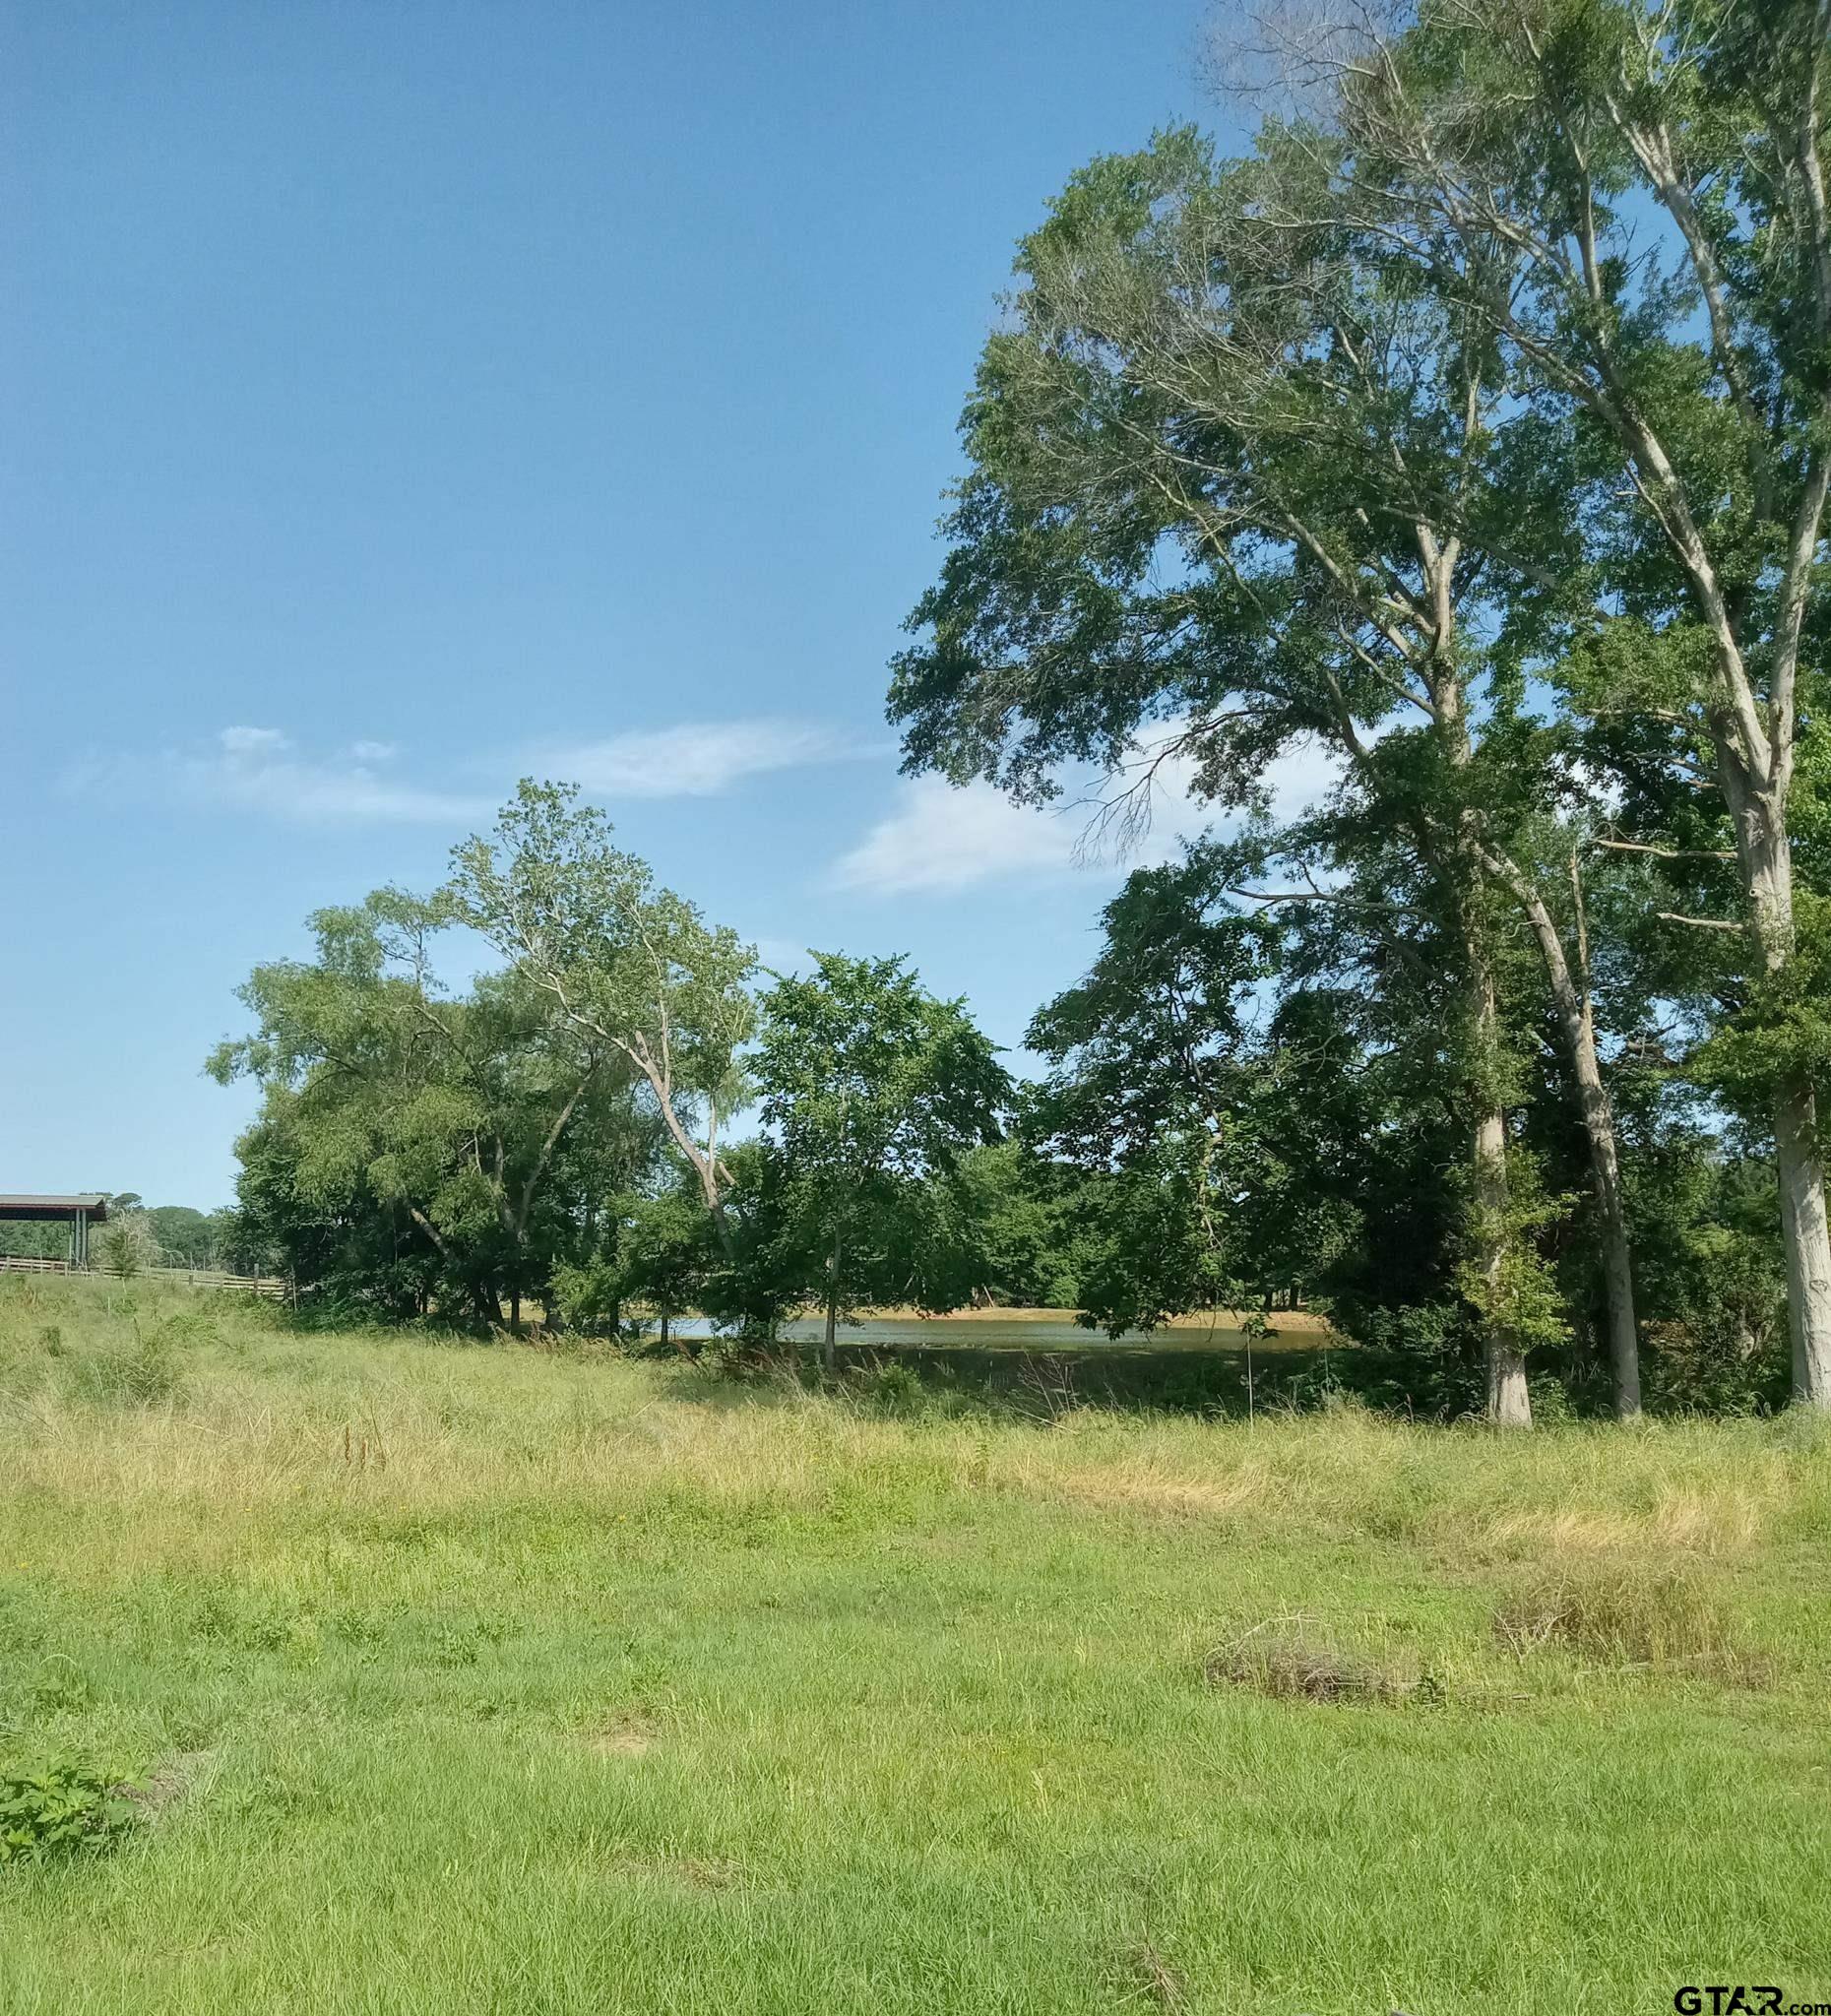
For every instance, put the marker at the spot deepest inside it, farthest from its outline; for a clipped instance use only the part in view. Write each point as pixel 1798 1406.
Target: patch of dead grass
pixel 1295 1659
pixel 623 1736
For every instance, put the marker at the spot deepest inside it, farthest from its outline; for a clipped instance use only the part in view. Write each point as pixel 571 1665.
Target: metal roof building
pixel 78 1213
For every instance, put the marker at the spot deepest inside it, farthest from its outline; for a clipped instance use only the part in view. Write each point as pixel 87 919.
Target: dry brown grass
pixel 1298 1657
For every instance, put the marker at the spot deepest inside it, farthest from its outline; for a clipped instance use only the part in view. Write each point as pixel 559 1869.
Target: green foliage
pixel 872 1089
pixel 63 1810
pixel 620 962
pixel 417 1147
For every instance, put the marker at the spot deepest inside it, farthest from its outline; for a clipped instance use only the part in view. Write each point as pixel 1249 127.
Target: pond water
pixel 1018 1334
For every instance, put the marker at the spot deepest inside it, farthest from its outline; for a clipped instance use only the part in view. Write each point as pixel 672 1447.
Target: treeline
pixel 1236 1104
pixel 1471 431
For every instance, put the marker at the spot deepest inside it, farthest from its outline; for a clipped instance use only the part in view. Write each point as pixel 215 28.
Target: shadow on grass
pixel 1216 1382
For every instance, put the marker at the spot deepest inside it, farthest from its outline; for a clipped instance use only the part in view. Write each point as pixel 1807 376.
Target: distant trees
pixel 417 1147
pixel 1256 1085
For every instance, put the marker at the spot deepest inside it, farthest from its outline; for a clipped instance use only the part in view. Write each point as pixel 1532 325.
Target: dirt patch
pixel 623 1736
pixel 175 1776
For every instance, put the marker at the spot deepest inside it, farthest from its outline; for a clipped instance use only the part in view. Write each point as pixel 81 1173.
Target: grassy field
pixel 467 1678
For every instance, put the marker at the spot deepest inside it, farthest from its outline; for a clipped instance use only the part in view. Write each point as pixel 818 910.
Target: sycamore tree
pixel 630 967
pixel 872 1089
pixel 1654 178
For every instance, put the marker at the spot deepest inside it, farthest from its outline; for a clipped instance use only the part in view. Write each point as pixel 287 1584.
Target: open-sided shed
pixel 78 1213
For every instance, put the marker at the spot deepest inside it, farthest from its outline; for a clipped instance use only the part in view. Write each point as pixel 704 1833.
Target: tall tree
pixel 1655 177
pixel 386 1096
pixel 872 1087
pixel 629 966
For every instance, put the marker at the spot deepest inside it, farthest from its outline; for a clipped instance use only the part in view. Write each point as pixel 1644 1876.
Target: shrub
pixel 62 1810
pixel 893 1388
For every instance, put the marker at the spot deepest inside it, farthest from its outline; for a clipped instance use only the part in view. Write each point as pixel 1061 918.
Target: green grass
pixel 479 1678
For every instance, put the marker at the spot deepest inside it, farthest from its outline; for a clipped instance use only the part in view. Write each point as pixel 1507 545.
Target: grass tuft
pixel 1292 1659
pixel 1627 1614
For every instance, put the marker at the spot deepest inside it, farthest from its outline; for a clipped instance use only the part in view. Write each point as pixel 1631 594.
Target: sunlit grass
pixel 488 1678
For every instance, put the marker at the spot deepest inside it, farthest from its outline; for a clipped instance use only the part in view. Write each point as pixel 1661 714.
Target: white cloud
pixel 700 759
pixel 940 837
pixel 238 742
pixel 263 770
pixel 259 770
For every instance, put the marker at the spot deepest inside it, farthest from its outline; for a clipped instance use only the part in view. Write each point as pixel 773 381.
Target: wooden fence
pixel 268 1285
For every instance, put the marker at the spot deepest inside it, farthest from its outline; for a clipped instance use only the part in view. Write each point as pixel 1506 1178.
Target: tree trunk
pixel 515 1308
pixel 1798 1153
pixel 829 1349
pixel 1509 1404
pixel 1578 1028
pixel 1807 1239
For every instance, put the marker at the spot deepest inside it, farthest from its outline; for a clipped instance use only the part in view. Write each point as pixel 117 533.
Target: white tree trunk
pixel 1798 1150
pixel 1578 1029
pixel 1509 1404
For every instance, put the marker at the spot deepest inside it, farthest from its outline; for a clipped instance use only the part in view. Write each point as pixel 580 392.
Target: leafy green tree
pixel 630 969
pixel 387 1100
pixel 184 1236
pixel 654 1251
pixel 1228 1084
pixel 1026 1224
pixel 871 1088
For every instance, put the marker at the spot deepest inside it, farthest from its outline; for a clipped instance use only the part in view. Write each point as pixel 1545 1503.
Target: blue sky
pixel 399 399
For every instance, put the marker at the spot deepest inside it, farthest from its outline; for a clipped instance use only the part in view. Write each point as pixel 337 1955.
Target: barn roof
pixel 25 1204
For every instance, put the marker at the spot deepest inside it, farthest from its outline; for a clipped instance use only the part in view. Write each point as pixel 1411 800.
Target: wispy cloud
pixel 939 838
pixel 262 771
pixel 700 759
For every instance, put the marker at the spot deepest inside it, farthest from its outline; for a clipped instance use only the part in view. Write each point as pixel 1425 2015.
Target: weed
pixel 140 1374
pixel 64 1809
pixel 893 1389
